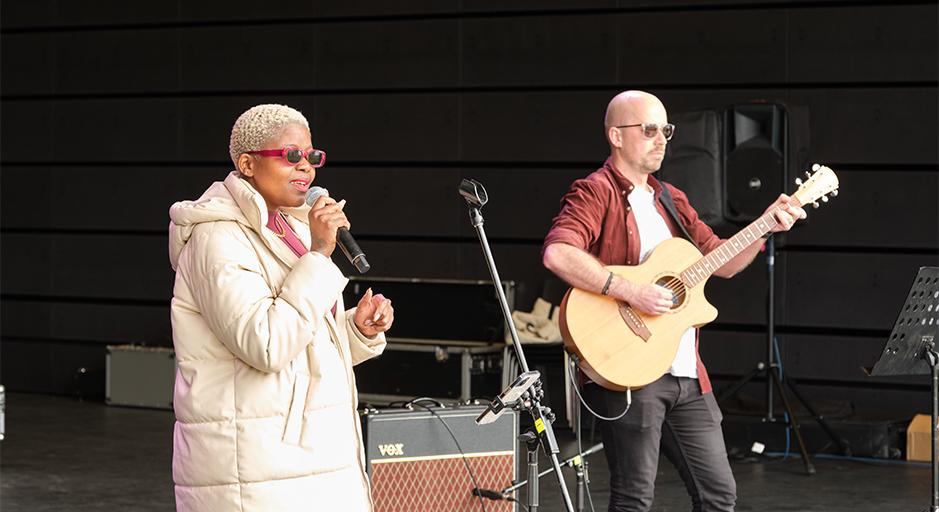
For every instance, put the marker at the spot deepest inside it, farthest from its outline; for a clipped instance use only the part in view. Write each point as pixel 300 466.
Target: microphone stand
pixel 543 433
pixel 578 462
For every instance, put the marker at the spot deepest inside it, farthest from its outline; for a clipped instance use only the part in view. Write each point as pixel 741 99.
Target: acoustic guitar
pixel 620 347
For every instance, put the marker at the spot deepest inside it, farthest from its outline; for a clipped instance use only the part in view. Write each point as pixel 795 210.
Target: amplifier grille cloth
pixel 439 484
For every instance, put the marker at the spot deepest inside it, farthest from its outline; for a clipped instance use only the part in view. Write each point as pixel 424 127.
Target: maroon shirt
pixel 592 219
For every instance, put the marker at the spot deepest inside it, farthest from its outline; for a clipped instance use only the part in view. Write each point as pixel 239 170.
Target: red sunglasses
pixel 293 155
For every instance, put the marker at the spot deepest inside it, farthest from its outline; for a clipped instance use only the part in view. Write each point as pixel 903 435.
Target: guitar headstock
pixel 819 185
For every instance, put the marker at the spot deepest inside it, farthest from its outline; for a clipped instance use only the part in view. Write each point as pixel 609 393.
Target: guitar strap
pixel 666 198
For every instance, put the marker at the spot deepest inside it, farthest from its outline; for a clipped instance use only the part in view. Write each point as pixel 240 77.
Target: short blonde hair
pixel 258 125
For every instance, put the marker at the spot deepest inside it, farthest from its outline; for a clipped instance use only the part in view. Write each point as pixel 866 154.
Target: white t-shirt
pixel 652 231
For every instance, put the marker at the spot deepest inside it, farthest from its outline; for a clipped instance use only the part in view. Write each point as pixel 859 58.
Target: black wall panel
pixel 882 208
pixel 89 322
pixel 100 130
pixel 860 125
pixel 424 202
pixel 403 202
pixel 101 198
pixel 33 56
pixel 67 368
pixel 238 58
pixel 523 5
pixel 539 127
pixel 887 43
pixel 765 46
pixel 46 13
pixel 819 357
pixel 116 61
pixel 741 299
pixel 855 402
pixel 814 357
pixel 383 55
pixel 140 130
pixel 330 8
pixel 847 126
pixel 847 290
pixel 731 353
pixel 522 202
pixel 200 121
pixel 21 14
pixel 729 47
pixel 123 267
pixel 457 260
pixel 33 138
pixel 540 50
pixel 420 201
pixel 387 128
pixel 112 111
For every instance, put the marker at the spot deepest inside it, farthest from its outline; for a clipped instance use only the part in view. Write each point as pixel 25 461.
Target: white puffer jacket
pixel 265 396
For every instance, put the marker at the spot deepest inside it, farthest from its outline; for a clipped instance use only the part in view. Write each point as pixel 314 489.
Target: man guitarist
pixel 615 216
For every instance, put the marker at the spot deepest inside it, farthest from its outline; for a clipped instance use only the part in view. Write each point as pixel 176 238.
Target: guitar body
pixel 619 347
pixel 618 354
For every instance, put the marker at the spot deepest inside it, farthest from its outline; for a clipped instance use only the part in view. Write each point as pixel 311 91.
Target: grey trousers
pixel 670 413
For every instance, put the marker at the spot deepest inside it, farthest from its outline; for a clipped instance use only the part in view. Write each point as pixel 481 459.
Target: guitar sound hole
pixel 674 285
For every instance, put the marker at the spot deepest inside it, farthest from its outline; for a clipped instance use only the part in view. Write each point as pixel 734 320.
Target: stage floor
pixel 63 454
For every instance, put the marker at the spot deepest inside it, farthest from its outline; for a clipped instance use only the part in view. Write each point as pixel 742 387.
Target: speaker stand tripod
pixel 774 378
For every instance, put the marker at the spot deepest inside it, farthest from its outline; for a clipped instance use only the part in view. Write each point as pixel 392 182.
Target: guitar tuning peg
pixel 824 199
pixel 815 205
pixel 798 181
pixel 834 193
pixel 808 174
pixel 816 167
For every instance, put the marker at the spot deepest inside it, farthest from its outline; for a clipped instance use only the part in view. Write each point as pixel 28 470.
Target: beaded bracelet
pixel 606 287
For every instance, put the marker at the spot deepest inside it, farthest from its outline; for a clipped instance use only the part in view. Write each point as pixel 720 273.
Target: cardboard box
pixel 919 439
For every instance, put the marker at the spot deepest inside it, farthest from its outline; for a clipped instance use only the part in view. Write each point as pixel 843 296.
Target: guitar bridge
pixel 635 323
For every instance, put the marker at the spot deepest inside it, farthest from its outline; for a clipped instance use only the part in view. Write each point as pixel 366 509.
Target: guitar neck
pixel 702 269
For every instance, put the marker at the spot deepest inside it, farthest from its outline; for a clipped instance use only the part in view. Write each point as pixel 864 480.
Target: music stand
pixel 911 350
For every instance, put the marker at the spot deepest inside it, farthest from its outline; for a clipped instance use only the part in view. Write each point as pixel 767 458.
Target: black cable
pixel 513 500
pixel 408 403
pixel 414 401
pixel 574 369
pixel 589 497
pixel 580 449
pixel 417 402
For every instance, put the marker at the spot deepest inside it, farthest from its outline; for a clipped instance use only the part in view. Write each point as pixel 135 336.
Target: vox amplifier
pixel 415 464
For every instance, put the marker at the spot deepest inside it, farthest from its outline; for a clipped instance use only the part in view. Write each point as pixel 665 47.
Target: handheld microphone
pixel 488 494
pixel 351 249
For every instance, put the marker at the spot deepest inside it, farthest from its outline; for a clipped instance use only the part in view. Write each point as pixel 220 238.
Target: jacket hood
pixel 232 200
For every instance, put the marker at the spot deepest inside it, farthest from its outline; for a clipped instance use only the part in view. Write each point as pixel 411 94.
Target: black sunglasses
pixel 651 129
pixel 292 155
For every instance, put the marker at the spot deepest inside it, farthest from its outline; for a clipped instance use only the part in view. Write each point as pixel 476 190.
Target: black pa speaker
pixel 695 162
pixel 756 160
pixel 733 162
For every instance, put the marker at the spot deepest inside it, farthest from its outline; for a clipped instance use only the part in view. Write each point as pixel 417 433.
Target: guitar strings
pixel 677 287
pixel 771 223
